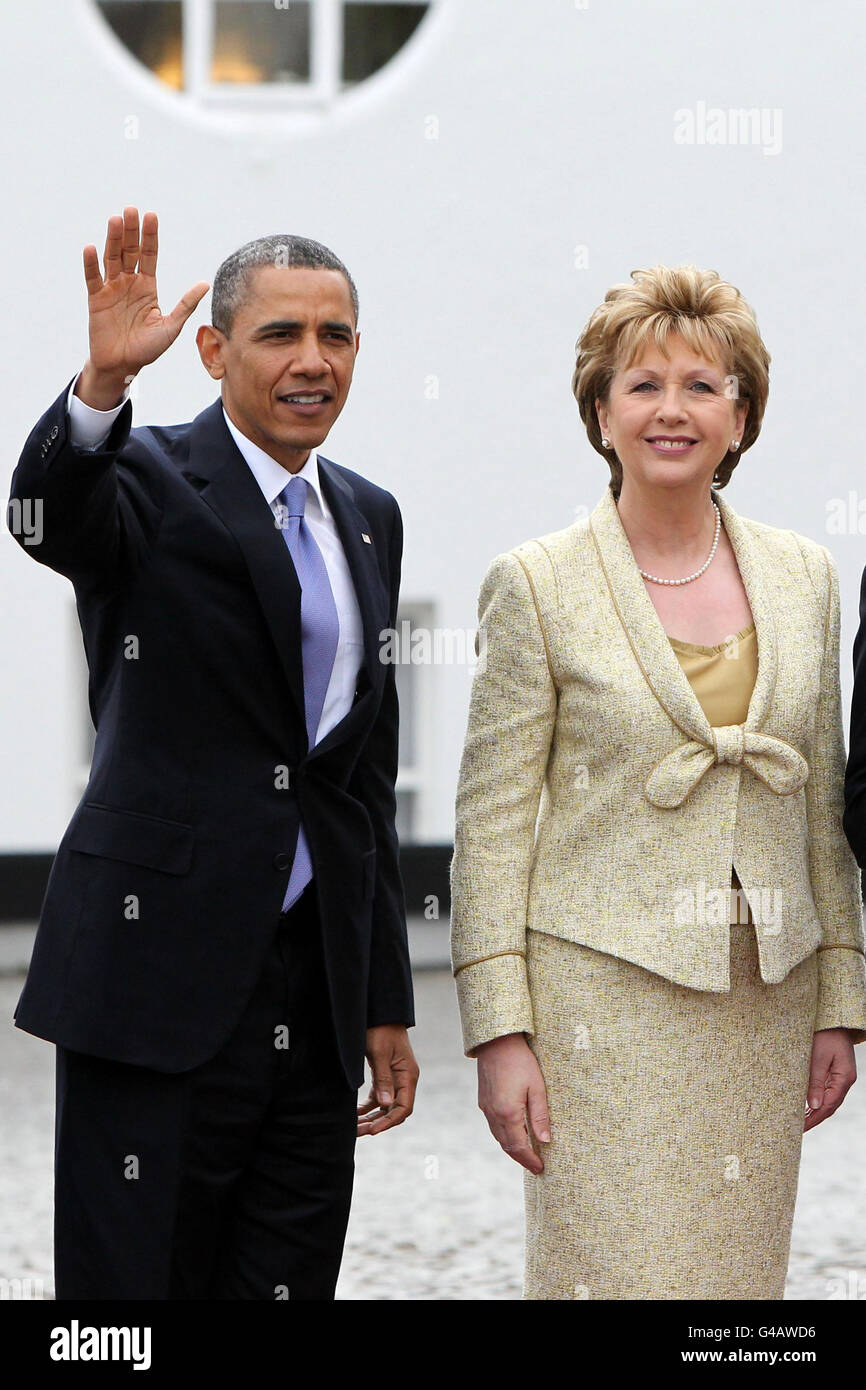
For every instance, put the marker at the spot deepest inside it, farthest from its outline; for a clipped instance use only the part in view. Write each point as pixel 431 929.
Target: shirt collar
pixel 270 475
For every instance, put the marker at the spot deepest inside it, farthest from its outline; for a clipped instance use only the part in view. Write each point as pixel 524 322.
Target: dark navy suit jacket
pixel 168 883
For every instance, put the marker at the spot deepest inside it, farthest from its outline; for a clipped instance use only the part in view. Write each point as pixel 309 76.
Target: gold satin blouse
pixel 723 678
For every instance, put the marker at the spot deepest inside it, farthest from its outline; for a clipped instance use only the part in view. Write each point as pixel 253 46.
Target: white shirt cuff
pixel 88 428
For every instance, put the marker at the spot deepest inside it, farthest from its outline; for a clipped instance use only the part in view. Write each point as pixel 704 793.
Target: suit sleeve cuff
pixel 842 991
pixel 88 427
pixel 493 995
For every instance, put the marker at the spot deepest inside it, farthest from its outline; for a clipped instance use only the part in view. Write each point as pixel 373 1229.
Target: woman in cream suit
pixel 657 934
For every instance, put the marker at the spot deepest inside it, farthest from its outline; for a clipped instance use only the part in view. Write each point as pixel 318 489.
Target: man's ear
pixel 210 342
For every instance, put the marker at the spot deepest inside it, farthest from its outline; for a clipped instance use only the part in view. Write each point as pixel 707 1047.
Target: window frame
pixel 321 91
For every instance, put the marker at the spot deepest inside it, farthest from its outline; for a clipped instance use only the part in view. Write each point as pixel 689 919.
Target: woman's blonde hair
pixel 710 314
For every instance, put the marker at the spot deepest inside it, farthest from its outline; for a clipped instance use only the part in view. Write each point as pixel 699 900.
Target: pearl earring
pixel 735 443
pixel 605 442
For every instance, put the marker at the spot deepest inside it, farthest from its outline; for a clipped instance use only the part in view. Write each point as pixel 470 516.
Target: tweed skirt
pixel 676 1126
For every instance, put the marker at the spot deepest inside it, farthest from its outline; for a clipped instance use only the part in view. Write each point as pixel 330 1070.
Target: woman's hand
pixel 512 1095
pixel 832 1073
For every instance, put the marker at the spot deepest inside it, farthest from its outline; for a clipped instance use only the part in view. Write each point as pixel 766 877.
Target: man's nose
pixel 308 358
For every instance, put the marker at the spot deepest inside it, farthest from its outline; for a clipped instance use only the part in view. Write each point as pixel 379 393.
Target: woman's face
pixel 671 419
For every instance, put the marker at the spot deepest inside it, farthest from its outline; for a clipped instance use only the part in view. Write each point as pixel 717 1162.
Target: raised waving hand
pixel 126 325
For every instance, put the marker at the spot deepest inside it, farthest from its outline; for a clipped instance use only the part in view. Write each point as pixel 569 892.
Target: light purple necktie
pixel 320 628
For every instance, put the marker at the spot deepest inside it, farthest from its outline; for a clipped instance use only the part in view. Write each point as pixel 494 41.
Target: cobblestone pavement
pixel 437 1213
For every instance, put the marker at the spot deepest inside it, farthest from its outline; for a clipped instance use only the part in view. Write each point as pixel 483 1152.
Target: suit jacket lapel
pixel 647 637
pixel 224 481
pixel 220 473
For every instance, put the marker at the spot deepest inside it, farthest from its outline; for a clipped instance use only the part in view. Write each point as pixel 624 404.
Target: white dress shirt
pixel 88 428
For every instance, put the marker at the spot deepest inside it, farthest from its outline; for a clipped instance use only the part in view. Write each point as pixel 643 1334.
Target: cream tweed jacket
pixel 596 803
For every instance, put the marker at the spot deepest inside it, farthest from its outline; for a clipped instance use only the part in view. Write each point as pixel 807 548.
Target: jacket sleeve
pixel 97 521
pixel 511 719
pixel 833 869
pixel 389 993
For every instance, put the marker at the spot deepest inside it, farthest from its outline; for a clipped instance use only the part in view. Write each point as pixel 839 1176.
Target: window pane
pixel 257 42
pixel 151 30
pixel 372 34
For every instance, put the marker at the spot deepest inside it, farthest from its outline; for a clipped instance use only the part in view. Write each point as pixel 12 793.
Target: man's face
pixel 287 366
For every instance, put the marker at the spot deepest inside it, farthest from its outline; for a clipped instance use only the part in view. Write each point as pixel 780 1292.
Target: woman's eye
pixel 651 384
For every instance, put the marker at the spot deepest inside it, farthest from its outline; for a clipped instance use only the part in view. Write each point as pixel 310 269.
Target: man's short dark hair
pixel 231 282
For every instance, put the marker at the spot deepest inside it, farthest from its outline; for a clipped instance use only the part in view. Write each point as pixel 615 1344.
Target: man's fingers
pixel 130 245
pixel 390 1114
pixel 394 1078
pixel 149 244
pixel 368 1114
pixel 377 1123
pixel 185 306
pixel 379 1115
pixel 383 1087
pixel 112 261
pixel 92 278
pixel 406 1087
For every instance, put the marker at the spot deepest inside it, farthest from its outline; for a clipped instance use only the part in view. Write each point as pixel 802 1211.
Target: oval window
pixel 277 50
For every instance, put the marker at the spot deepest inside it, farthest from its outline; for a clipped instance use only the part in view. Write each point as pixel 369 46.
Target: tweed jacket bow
pixel 596 803
pixel 778 764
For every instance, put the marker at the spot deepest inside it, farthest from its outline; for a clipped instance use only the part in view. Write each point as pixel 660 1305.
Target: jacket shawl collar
pixel 777 763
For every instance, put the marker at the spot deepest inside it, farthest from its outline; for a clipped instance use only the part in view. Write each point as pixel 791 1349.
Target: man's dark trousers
pixel 229 1181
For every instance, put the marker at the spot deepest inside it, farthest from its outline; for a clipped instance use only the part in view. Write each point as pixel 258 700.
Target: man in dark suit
pixel 223 934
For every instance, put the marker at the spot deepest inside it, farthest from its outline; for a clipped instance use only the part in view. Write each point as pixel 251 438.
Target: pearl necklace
pixel 655 579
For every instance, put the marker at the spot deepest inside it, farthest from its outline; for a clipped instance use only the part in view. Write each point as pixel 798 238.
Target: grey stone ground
pixel 437 1213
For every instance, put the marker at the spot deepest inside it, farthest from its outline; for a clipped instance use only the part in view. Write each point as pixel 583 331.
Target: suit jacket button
pixel 282 861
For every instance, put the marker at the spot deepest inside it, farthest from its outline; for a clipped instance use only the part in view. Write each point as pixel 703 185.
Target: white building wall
pixel 554 129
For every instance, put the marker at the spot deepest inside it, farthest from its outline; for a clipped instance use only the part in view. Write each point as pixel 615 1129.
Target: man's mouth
pixel 305 402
